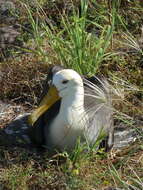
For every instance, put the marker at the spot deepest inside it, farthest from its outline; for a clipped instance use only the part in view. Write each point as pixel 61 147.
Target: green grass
pixel 133 181
pixel 28 170
pixel 71 45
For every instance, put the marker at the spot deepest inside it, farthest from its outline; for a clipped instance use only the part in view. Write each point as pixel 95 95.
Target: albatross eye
pixel 65 81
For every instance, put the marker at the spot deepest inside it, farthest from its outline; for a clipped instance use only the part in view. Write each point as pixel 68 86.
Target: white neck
pixel 74 100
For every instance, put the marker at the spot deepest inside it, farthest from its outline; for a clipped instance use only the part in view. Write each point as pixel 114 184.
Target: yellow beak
pixel 48 100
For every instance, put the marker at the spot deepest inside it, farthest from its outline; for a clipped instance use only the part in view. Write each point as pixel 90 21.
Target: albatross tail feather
pixel 98 106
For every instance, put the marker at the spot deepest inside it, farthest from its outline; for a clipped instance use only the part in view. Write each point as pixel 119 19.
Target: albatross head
pixel 65 83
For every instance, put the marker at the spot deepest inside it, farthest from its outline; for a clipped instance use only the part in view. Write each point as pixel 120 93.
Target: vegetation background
pixel 103 37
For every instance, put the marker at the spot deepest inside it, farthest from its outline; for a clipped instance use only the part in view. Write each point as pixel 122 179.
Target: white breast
pixel 69 123
pixel 66 128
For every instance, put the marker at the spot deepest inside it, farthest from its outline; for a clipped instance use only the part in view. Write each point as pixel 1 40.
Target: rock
pixel 6 6
pixel 8 36
pixel 9 29
pixel 7 10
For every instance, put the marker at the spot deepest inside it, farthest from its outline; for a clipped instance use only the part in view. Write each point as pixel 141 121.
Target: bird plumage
pixel 83 110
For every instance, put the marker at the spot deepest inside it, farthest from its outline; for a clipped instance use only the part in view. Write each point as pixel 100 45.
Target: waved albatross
pixel 72 107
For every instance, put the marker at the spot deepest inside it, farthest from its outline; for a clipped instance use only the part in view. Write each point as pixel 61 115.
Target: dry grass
pixel 21 169
pixel 21 80
pixel 20 86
